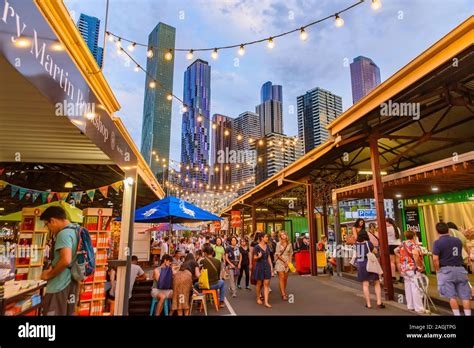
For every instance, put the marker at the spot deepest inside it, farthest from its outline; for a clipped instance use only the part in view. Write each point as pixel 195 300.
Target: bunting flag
pixel 104 190
pixel 117 186
pixel 91 194
pixel 2 170
pixel 77 196
pixel 23 191
pixel 44 197
pixel 35 195
pixel 63 196
pixel 14 190
pixel 3 184
pixel 50 196
pixel 58 195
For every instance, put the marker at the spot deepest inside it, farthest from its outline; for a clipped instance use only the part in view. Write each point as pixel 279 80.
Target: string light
pixel 131 47
pixel 303 35
pixel 169 97
pixel 241 50
pixel 239 137
pixel 339 21
pixel 190 55
pixel 118 43
pixel 184 109
pixel 137 68
pixel 270 43
pixel 376 4
pixel 169 55
pixel 149 53
pixel 199 118
pixel 152 84
pixel 214 54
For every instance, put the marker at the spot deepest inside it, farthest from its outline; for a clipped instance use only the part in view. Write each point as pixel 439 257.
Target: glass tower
pixel 365 76
pixel 270 109
pixel 89 28
pixel 156 126
pixel 195 133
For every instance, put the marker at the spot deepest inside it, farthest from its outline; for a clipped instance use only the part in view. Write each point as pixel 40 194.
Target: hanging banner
pixel 91 194
pixel 77 196
pixel 14 190
pixel 51 196
pixel 63 195
pixel 44 196
pixel 235 218
pixel 35 195
pixel 104 190
pixel 117 186
pixel 217 226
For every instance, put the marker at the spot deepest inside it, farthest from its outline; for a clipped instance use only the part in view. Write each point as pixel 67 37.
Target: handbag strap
pixel 212 264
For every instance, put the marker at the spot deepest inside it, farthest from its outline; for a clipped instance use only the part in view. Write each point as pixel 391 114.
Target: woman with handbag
pixel 283 256
pixel 233 258
pixel 263 269
pixel 364 249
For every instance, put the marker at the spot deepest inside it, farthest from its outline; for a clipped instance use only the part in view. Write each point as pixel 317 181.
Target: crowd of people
pixel 450 258
pixel 176 276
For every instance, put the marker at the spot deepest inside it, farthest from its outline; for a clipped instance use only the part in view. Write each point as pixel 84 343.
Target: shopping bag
pixel 373 265
pixel 204 280
pixel 291 267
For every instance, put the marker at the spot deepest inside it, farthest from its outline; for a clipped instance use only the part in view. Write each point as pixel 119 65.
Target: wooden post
pixel 311 229
pixel 337 233
pixel 254 219
pixel 382 227
pixel 325 219
pixel 242 224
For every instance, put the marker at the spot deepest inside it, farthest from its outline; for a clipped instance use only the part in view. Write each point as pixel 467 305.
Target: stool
pixel 214 297
pixel 202 299
pixel 154 303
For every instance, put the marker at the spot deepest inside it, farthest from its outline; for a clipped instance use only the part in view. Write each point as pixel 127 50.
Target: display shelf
pixel 27 310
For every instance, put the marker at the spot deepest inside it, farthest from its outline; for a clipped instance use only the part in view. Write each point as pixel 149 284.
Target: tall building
pixel 316 109
pixel 270 109
pixel 365 76
pixel 221 146
pixel 195 142
pixel 156 125
pixel 89 28
pixel 245 129
pixel 274 152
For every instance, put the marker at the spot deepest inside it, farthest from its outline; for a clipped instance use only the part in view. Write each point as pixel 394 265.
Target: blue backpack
pixel 84 262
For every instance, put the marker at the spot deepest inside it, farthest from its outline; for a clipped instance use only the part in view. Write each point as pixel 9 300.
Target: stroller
pixel 422 282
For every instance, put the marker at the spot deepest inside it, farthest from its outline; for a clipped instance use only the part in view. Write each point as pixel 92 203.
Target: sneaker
pixel 247 288
pixel 221 305
pixel 239 287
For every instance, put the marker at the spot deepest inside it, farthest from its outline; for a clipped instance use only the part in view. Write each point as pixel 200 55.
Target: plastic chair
pixel 199 298
pixel 213 297
pixel 154 303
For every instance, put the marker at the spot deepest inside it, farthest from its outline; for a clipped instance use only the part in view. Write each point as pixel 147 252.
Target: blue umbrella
pixel 173 210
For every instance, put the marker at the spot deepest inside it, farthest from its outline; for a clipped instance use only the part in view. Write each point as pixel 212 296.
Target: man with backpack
pixel 58 299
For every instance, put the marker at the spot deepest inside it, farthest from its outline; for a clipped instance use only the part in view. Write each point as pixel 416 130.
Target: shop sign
pixel 235 217
pixel 412 221
pixel 367 213
pixel 31 47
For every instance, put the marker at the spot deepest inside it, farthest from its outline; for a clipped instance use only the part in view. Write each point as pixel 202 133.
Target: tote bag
pixel 203 279
pixel 373 265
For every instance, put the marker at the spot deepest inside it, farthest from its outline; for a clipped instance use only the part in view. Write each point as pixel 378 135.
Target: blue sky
pixel 391 37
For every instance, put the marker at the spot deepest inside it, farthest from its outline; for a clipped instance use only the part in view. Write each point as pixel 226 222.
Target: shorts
pixel 62 302
pixel 453 283
pixel 155 292
pixel 392 248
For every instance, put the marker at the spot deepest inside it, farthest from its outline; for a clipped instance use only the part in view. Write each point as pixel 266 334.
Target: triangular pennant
pixel 44 196
pixel 91 194
pixel 35 195
pixel 104 190
pixel 2 170
pixel 58 195
pixel 14 190
pixel 51 196
pixel 77 197
pixel 3 184
pixel 23 191
pixel 63 196
pixel 117 186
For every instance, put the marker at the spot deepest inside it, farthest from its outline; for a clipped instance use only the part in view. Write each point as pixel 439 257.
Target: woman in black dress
pixel 263 270
pixel 362 249
pixel 244 267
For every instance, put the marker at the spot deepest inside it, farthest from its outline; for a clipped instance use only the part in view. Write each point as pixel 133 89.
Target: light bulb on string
pixel 169 97
pixel 110 36
pixel 169 55
pixel 241 50
pixel 303 35
pixel 149 53
pixel 152 84
pixel 226 132
pixel 339 22
pixel 118 43
pixel 214 54
pixel 190 55
pixel 131 47
pixel 137 68
pixel 199 118
pixel 270 43
pixel 184 108
pixel 376 4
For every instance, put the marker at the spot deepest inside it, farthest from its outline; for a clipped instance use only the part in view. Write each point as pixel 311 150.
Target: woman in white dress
pixel 283 256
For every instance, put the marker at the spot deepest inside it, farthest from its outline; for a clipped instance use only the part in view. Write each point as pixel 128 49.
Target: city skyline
pixel 365 76
pixel 334 47
pixel 89 27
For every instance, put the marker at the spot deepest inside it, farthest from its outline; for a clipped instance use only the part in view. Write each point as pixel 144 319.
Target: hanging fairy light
pixel 110 37
pixel 226 132
pixel 239 137
pixel 184 108
pixel 131 47
pixel 376 4
pixel 339 22
pixel 271 43
pixel 118 43
pixel 303 35
pixel 149 53
pixel 169 97
pixel 241 50
pixel 137 68
pixel 169 54
pixel 214 54
pixel 152 84
pixel 190 55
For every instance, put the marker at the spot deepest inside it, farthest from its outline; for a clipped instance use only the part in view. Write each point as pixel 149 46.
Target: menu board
pixel 412 221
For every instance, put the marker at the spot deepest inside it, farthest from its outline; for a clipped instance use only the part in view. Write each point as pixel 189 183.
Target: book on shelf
pixel 84 309
pixel 94 239
pixel 21 274
pixel 28 223
pixel 92 223
pixel 105 223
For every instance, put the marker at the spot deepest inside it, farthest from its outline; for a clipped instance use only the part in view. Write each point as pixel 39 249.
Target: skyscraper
pixel 245 130
pixel 270 109
pixel 316 109
pixel 195 127
pixel 221 146
pixel 89 28
pixel 274 152
pixel 156 126
pixel 365 76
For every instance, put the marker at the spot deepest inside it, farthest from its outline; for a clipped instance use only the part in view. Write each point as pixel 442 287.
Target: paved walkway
pixel 308 296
